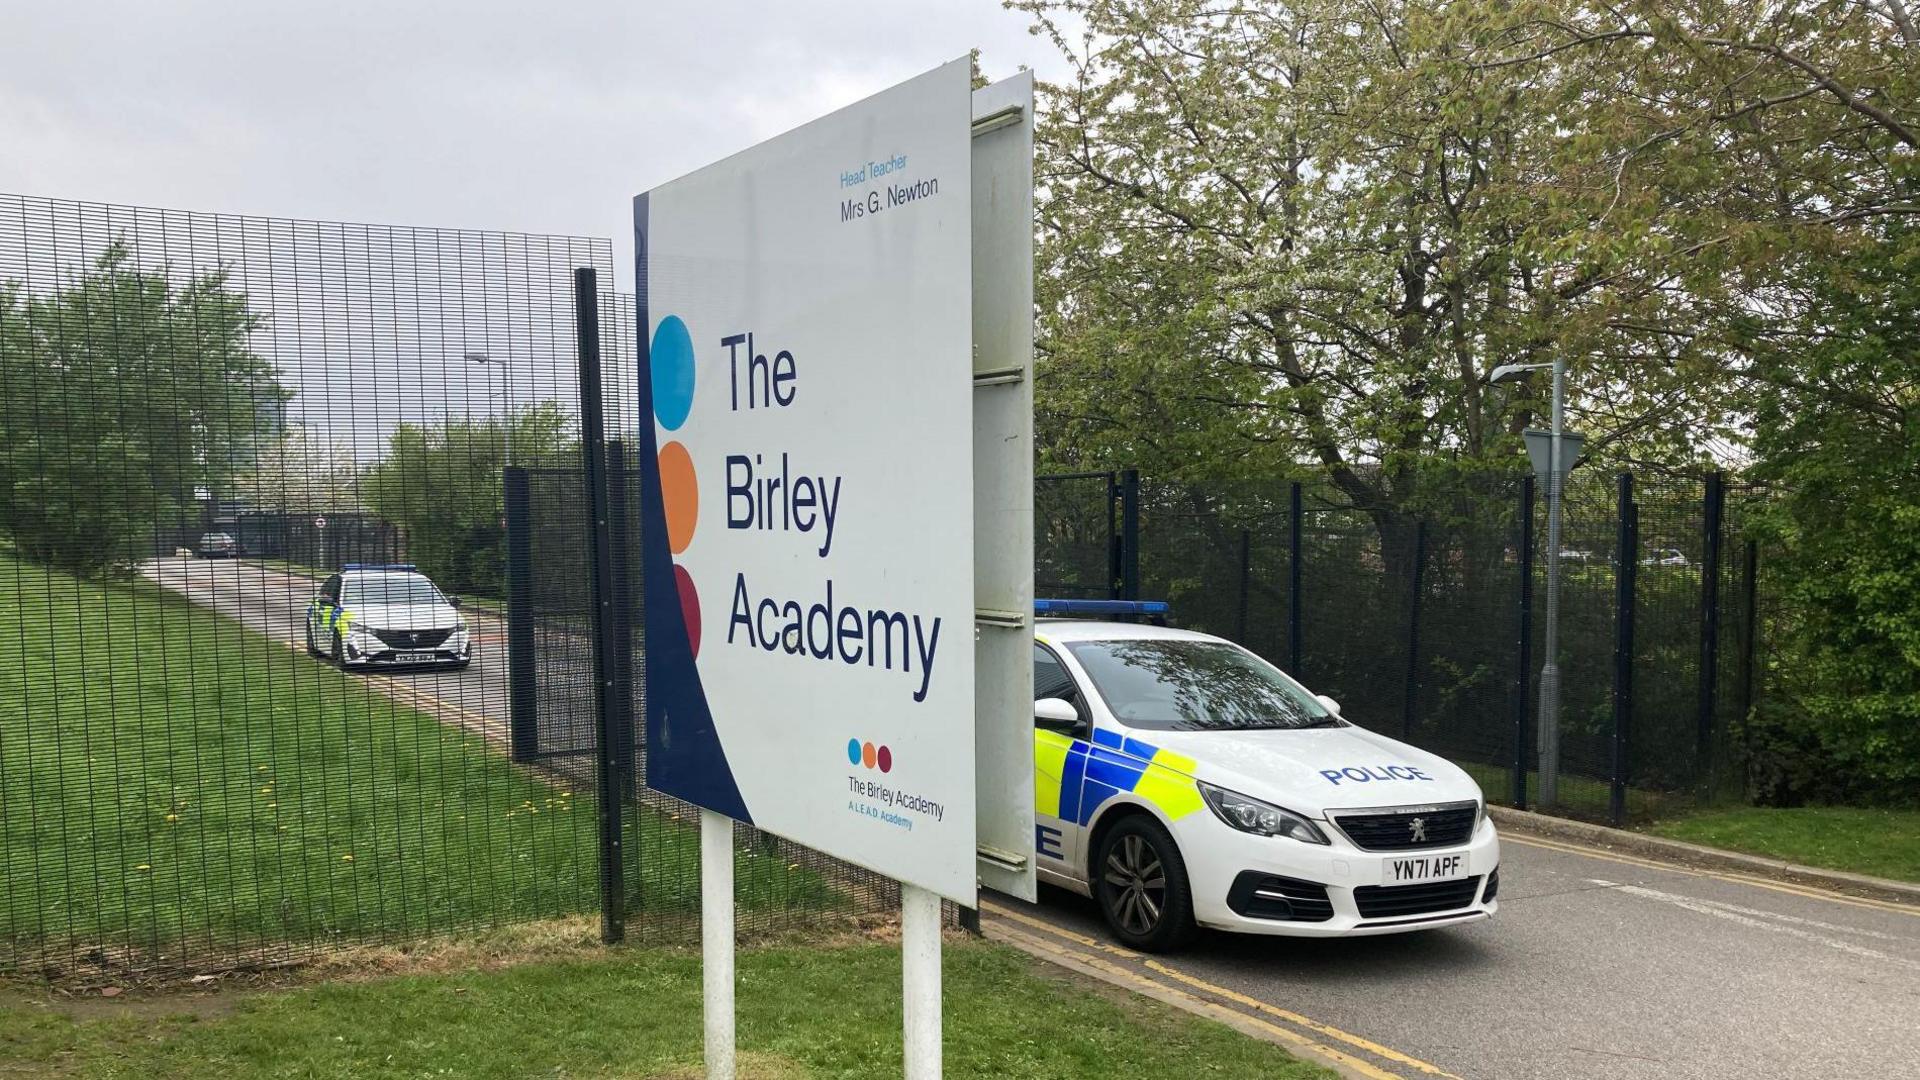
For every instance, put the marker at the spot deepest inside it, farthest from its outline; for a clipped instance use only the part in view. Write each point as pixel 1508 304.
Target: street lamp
pixel 505 396
pixel 1557 464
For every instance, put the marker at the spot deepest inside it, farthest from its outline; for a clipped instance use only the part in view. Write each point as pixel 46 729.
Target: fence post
pixel 1114 556
pixel 1750 628
pixel 586 306
pixel 1130 534
pixel 1246 572
pixel 618 523
pixel 1626 571
pixel 1294 514
pixel 1523 673
pixel 523 735
pixel 1710 624
pixel 1412 699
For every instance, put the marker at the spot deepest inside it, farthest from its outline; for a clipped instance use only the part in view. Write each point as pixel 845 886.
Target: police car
pixel 386 615
pixel 1182 781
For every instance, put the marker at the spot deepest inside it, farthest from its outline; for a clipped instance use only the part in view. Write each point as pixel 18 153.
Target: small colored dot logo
pixel 671 362
pixel 869 755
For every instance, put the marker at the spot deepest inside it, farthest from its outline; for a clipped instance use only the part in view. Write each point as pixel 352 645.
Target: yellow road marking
pixel 1291 1017
pixel 1156 989
pixel 1060 931
pixel 1806 891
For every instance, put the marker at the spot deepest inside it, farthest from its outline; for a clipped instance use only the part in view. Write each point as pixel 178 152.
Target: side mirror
pixel 1055 714
pixel 453 601
pixel 1328 703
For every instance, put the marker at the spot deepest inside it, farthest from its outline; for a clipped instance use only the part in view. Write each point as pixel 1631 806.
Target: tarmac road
pixel 1598 965
pixel 274 602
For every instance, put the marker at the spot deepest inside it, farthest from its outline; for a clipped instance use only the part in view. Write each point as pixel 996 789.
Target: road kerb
pixel 1697 855
pixel 1084 963
pixel 1356 1056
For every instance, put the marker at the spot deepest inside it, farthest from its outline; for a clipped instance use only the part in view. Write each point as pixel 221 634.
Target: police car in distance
pixel 1182 781
pixel 386 615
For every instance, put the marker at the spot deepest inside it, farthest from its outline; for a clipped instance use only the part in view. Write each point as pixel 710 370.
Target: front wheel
pixel 1141 883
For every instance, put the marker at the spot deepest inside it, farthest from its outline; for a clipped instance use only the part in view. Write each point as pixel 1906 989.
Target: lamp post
pixel 1557 464
pixel 505 396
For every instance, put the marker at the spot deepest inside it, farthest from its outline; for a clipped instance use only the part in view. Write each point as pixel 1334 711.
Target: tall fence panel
pixel 1427 618
pixel 187 778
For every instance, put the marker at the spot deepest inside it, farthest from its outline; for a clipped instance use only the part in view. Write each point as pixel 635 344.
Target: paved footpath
pixel 1599 965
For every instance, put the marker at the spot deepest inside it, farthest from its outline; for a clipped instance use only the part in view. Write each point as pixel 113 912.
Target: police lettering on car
pixel 1182 781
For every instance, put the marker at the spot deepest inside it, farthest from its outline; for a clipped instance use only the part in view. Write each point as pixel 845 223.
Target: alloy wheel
pixel 1136 884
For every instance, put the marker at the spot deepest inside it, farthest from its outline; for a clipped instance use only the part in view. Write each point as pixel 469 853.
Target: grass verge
pixel 1580 796
pixel 179 790
pixel 1882 843
pixel 803 1012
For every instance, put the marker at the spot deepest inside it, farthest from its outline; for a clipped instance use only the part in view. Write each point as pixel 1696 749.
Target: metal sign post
pixel 716 941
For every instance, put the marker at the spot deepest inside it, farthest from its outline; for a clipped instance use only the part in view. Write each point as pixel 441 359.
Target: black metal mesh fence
pixel 232 729
pixel 1423 624
pixel 203 419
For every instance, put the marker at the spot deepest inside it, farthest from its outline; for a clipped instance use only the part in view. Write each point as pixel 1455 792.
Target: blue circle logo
pixel 671 362
pixel 853 751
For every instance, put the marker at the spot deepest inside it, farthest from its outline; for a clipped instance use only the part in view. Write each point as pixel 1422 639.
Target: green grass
pixel 176 788
pixel 1883 843
pixel 803 1012
pixel 1584 796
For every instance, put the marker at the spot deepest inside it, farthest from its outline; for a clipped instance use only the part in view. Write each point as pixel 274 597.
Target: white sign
pixel 805 329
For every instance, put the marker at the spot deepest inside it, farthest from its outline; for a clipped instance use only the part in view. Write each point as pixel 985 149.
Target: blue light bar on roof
pixel 407 566
pixel 1101 607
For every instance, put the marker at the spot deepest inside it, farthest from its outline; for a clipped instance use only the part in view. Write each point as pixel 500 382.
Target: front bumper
pixel 371 652
pixel 1270 885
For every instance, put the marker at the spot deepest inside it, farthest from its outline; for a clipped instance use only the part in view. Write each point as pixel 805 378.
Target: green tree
pixel 442 483
pixel 1845 518
pixel 1295 239
pixel 122 393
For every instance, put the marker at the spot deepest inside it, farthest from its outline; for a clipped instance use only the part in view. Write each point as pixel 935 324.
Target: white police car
pixel 1180 780
pixel 386 615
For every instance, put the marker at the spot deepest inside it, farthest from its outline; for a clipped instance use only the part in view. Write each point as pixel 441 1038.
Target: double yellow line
pixel 1122 966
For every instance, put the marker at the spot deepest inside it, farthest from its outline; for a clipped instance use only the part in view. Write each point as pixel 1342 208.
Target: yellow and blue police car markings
pixel 1096 772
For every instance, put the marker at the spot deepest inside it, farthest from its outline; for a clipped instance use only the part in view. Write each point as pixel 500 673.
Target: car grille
pixel 1389 901
pixel 1267 896
pixel 1410 829
pixel 413 639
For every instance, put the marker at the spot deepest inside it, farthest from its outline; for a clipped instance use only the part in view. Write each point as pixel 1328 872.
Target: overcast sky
pixel 471 113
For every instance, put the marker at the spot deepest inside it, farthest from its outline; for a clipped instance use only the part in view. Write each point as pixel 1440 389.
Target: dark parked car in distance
pixel 217 545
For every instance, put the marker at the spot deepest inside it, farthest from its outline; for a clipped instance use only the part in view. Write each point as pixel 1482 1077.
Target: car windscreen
pixel 1186 685
pixel 396 589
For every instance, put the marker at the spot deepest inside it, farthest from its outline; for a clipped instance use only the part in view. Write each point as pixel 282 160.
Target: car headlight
pixel 1261 819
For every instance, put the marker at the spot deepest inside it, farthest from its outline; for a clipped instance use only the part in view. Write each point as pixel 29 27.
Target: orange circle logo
pixel 680 494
